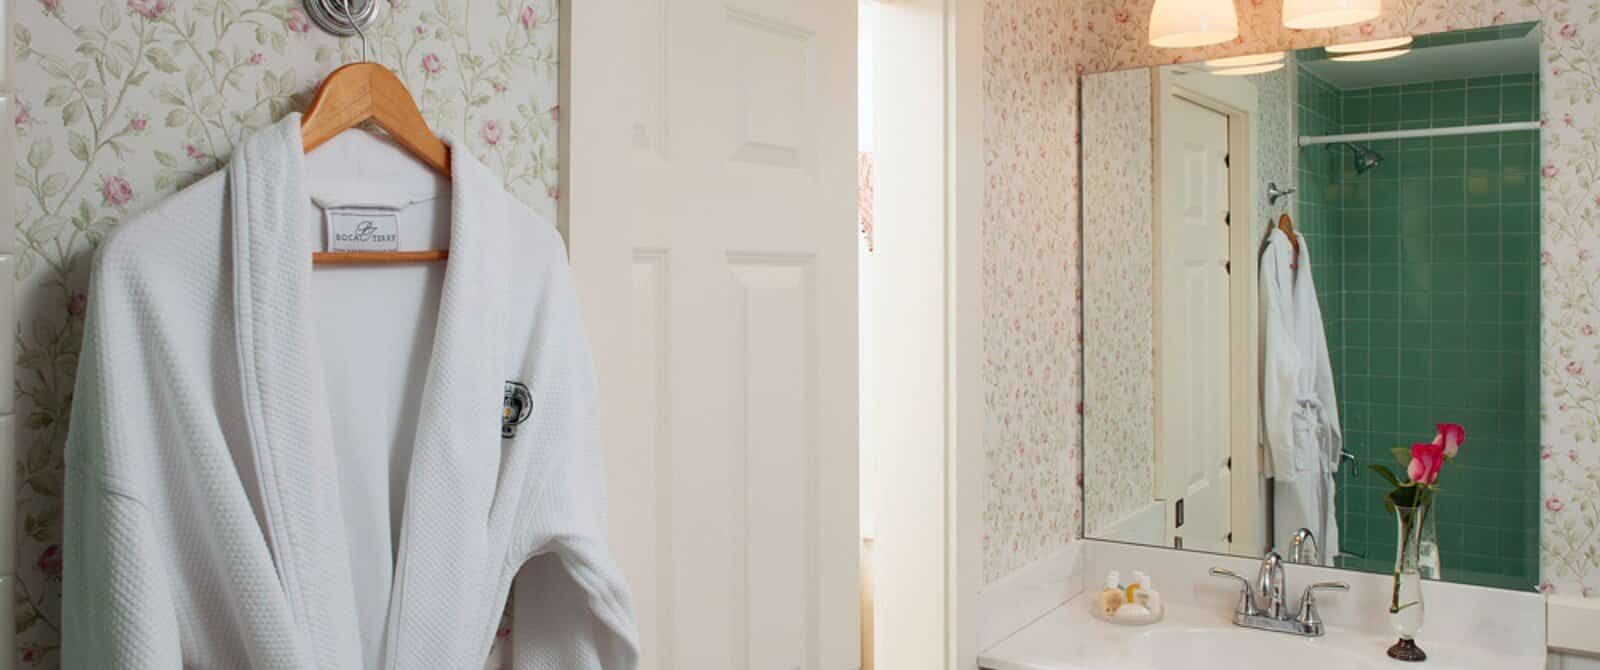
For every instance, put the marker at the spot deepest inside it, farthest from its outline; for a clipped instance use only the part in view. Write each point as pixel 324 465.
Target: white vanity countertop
pixel 1193 638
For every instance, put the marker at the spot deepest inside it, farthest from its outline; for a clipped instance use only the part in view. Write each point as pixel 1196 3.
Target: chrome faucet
pixel 1269 587
pixel 1303 548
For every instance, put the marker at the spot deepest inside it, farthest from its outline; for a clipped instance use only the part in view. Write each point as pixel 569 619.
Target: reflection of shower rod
pixel 1309 140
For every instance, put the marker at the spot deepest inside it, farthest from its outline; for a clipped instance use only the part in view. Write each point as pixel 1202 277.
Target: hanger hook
pixel 344 6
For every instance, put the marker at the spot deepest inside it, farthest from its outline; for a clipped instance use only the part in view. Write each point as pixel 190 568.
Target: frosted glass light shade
pixel 1192 23
pixel 1248 69
pixel 1311 14
pixel 1370 45
pixel 1244 61
pixel 1369 56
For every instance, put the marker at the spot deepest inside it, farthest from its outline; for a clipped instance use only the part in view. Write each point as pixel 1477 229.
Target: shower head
pixel 1366 158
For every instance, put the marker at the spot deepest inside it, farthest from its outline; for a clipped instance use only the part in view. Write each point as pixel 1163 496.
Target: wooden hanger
pixel 1286 225
pixel 358 92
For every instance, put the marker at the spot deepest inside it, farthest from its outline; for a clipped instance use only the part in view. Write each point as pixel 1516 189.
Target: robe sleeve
pixel 1277 360
pixel 116 603
pixel 571 608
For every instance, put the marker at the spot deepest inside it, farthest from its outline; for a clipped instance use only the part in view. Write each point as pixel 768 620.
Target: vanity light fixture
pixel 1312 14
pixel 1248 69
pixel 1192 23
pixel 1244 61
pixel 1369 56
pixel 1370 45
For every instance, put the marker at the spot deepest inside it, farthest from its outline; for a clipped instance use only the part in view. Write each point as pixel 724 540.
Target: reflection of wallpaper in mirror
pixel 1118 421
pixel 1119 356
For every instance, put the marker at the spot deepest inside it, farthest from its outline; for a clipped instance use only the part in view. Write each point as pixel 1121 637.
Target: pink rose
pixel 296 21
pixel 23 117
pixel 555 113
pixel 1547 587
pixel 499 87
pixel 432 64
pixel 1574 368
pixel 1588 329
pixel 78 304
pixel 50 561
pixel 1546 453
pixel 1450 437
pixel 255 58
pixel 421 30
pixel 1569 31
pixel 150 9
pixel 1544 258
pixel 52 7
pixel 1121 16
pixel 1566 118
pixel 139 122
pixel 491 132
pixel 1572 455
pixel 529 18
pixel 1368 29
pixel 193 151
pixel 1549 170
pixel 116 191
pixel 554 191
pixel 1554 504
pixel 1426 460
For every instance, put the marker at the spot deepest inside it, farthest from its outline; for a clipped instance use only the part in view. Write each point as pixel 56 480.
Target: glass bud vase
pixel 1428 560
pixel 1405 602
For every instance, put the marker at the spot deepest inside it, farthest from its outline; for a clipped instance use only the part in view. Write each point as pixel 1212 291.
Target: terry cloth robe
pixel 275 467
pixel 1299 413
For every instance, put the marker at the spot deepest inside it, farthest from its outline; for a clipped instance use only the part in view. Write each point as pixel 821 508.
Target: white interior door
pixel 1193 325
pixel 709 194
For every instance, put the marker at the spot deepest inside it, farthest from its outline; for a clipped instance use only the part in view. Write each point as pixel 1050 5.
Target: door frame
pixel 1235 97
pixel 929 539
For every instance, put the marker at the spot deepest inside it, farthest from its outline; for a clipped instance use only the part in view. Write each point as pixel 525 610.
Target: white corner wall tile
pixel 8 143
pixel 8 513
pixel 8 329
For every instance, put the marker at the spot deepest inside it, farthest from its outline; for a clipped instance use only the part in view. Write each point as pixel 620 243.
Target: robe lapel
pixel 448 565
pixel 441 609
pixel 286 418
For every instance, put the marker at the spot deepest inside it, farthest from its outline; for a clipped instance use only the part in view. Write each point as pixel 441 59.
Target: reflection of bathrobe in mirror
pixel 1299 414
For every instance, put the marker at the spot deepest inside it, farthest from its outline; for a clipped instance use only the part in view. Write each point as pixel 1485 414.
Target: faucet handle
pixel 1308 602
pixel 1247 601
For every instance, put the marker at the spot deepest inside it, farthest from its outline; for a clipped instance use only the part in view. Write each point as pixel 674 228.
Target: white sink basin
pixel 1244 648
pixel 1190 638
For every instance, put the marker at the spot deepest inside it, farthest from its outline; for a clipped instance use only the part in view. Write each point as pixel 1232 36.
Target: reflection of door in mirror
pixel 1200 127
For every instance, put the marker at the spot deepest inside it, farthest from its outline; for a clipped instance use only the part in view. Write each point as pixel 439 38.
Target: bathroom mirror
pixel 1405 177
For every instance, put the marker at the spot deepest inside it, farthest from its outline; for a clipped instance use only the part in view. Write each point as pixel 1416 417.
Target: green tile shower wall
pixel 1428 275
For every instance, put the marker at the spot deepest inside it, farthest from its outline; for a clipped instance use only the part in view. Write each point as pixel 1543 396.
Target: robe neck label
pixel 363 229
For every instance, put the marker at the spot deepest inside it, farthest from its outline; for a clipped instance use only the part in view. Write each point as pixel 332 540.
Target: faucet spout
pixel 1270 585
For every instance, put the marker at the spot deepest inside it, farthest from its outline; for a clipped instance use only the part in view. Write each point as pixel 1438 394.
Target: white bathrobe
pixel 270 467
pixel 1299 413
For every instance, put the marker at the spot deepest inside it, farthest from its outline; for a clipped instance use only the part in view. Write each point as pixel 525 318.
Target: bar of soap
pixel 1110 601
pixel 1133 610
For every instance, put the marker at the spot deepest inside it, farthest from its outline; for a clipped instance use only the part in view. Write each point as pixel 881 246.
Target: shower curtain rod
pixel 1312 140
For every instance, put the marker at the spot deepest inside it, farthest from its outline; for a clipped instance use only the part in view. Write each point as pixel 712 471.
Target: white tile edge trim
pixel 1018 599
pixel 1573 625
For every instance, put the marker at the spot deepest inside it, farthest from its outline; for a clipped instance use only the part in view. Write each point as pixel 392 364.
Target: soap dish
pixel 1125 620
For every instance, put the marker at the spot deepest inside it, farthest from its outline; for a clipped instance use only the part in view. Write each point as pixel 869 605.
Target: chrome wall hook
pixel 344 17
pixel 1274 194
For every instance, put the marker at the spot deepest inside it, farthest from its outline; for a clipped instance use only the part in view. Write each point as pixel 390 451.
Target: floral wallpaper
pixel 1570 539
pixel 118 104
pixel 1033 504
pixel 1118 299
